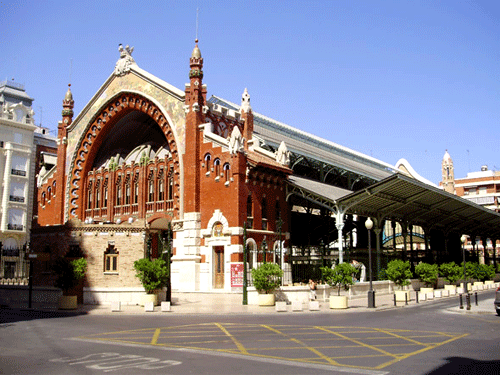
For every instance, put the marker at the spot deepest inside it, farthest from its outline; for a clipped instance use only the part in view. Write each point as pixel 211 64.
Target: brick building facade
pixel 143 157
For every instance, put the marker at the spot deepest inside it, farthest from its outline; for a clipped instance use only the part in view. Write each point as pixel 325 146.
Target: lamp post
pixel 371 292
pixel 463 239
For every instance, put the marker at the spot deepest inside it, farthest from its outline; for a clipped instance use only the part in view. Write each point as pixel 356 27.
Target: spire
pixel 196 63
pixel 68 104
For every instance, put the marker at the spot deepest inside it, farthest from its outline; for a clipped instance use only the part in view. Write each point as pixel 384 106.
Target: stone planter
pixel 267 299
pixel 338 302
pixel 427 290
pixel 67 303
pixel 488 282
pixel 450 287
pixel 145 298
pixel 479 285
pixel 402 295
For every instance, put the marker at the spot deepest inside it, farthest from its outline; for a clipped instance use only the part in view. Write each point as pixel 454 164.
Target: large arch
pixel 96 132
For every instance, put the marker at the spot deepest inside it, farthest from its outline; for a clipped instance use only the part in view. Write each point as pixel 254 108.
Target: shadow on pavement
pixel 12 315
pixel 467 366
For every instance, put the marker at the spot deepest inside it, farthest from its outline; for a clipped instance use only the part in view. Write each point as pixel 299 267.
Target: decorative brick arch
pixel 91 141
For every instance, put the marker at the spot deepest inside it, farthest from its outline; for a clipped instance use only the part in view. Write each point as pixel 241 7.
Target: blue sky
pixel 391 79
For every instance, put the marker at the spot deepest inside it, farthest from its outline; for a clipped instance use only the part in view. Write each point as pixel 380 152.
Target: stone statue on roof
pixel 122 66
pixel 236 141
pixel 283 155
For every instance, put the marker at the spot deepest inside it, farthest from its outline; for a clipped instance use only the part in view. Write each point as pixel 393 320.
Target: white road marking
pixel 241 356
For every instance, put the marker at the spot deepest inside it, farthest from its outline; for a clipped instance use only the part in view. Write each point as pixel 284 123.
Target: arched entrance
pixel 127 165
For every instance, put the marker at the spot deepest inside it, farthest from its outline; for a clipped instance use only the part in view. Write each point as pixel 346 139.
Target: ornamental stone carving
pixel 126 60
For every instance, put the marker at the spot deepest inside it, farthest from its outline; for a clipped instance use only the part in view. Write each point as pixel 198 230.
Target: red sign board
pixel 236 275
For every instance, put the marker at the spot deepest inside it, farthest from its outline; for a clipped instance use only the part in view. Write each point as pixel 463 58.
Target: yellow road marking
pixel 318 353
pixel 240 347
pixel 407 355
pixel 388 332
pixel 155 336
pixel 359 342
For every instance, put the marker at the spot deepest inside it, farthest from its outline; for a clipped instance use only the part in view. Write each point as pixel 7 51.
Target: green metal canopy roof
pixel 403 198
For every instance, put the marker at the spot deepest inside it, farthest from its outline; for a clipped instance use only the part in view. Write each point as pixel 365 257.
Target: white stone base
pixel 438 294
pixel 445 293
pixel 297 306
pixel 116 306
pixel 165 306
pixel 149 306
pixel 313 306
pixel 281 306
pixel 422 296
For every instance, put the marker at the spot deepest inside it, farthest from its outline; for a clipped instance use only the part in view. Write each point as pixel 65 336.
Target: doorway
pixel 218 267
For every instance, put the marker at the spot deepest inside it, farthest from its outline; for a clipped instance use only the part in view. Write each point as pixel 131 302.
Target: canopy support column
pixel 339 223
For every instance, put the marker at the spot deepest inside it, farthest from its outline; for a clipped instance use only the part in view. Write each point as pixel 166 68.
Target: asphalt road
pixel 424 339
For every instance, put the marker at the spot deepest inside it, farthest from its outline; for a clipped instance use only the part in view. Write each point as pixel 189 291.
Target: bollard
pixel 395 299
pixel 406 298
pixel 416 297
pixel 467 298
pixel 475 296
pixel 461 302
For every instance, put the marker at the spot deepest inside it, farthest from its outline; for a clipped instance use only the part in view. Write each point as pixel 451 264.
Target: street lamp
pixel 371 292
pixel 463 239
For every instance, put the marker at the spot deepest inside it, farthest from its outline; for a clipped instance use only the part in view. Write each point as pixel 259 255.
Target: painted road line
pixel 240 347
pixel 307 365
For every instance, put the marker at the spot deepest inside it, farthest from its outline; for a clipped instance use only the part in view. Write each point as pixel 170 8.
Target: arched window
pixel 105 196
pixel 151 190
pixel 136 192
pixel 161 189
pixel 43 199
pixel 118 195
pixel 208 158
pixel 227 169
pixel 49 193
pixel 171 188
pixel 89 196
pixel 264 214
pixel 54 188
pixel 127 194
pixel 97 197
pixel 249 212
pixel 217 168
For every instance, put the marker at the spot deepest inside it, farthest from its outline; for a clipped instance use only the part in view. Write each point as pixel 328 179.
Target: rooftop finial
pixel 197 12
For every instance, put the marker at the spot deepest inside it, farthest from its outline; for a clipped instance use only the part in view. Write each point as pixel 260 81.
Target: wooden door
pixel 218 267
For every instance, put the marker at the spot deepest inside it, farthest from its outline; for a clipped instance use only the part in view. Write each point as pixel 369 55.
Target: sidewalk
pixel 231 304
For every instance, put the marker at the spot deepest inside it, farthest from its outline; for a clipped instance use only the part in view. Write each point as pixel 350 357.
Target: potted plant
pixel 451 272
pixel 399 272
pixel 153 275
pixel 68 275
pixel 266 279
pixel 427 274
pixel 339 277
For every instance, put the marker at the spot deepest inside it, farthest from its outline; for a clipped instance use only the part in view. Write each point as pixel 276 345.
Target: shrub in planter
pixel 340 276
pixel 153 274
pixel 485 272
pixel 399 272
pixel 267 277
pixel 69 273
pixel 451 272
pixel 427 273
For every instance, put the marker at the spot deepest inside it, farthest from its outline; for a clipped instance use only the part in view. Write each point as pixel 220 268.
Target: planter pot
pixel 149 298
pixel 427 290
pixel 338 302
pixel 450 287
pixel 469 286
pixel 267 299
pixel 488 282
pixel 402 295
pixel 67 303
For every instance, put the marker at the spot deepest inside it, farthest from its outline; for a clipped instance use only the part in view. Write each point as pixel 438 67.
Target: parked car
pixel 497 301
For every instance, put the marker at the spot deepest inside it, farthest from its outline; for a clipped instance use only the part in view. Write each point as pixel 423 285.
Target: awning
pixel 405 199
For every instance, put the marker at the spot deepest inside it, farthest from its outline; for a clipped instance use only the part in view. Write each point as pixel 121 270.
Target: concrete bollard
pixel 438 294
pixel 116 306
pixel 430 295
pixel 149 306
pixel 165 306
pixel 280 306
pixel 296 306
pixel 313 306
pixel 422 296
pixel 445 293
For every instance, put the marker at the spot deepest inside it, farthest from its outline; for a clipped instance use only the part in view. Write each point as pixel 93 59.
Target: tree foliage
pixel 427 273
pixel 451 272
pixel 340 276
pixel 69 272
pixel 153 274
pixel 399 272
pixel 267 277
